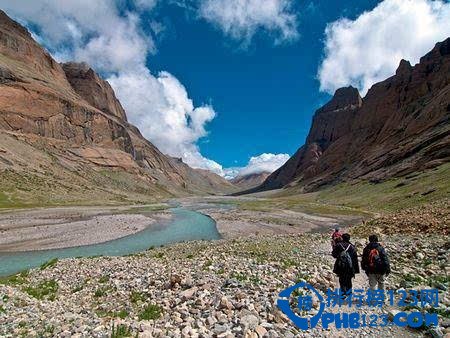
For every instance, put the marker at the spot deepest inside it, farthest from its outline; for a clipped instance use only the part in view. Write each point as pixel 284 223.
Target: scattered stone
pixel 188 294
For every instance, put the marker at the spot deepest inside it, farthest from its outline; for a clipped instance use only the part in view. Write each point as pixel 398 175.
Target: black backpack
pixel 344 262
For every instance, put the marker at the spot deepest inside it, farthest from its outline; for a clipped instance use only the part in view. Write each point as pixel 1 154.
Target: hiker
pixel 334 236
pixel 375 263
pixel 346 264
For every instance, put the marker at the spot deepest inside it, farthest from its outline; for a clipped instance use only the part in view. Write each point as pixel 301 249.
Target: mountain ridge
pixel 401 126
pixel 250 180
pixel 70 112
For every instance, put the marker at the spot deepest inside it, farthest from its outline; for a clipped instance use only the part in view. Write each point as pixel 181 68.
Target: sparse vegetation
pixel 100 292
pixel 49 263
pixel 18 279
pixel 137 296
pixel 122 314
pixel 150 312
pixel 78 288
pixel 207 264
pixel 44 290
pixel 121 331
pixel 361 197
pixel 50 329
pixel 103 279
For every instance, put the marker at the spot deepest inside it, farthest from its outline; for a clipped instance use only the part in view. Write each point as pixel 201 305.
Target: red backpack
pixel 375 261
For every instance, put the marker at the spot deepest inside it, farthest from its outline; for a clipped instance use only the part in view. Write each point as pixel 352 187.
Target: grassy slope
pixel 27 190
pixel 33 176
pixel 364 197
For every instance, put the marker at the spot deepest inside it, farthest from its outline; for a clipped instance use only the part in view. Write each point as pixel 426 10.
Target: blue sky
pixel 264 94
pixel 232 85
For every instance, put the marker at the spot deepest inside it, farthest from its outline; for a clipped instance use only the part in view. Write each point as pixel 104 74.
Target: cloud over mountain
pixel 114 43
pixel 368 49
pixel 265 162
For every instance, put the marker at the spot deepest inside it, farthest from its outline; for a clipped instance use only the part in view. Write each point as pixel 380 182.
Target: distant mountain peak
pixel 343 98
pixel 249 181
pixel 403 68
pixel 440 49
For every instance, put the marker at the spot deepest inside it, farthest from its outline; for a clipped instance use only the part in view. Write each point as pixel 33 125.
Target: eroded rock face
pixel 96 91
pixel 70 112
pixel 402 125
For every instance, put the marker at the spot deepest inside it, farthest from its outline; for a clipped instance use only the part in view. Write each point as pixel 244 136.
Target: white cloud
pixel 242 19
pixel 368 49
pixel 165 114
pixel 114 44
pixel 146 4
pixel 91 31
pixel 266 162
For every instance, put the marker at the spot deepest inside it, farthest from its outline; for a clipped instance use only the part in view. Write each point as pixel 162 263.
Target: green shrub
pixel 49 329
pixel 122 314
pixel 150 312
pixel 207 264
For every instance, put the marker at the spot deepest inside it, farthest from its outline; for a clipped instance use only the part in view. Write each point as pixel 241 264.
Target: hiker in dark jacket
pixel 375 263
pixel 346 264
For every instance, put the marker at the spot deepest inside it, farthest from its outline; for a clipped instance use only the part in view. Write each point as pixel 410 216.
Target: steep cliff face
pixel 402 125
pixel 71 113
pixel 96 91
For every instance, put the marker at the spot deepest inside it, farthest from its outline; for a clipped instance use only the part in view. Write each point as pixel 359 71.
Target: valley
pixel 102 234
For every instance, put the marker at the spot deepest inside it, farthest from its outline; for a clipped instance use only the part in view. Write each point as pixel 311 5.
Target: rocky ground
pixel 433 217
pixel 226 288
pixel 237 223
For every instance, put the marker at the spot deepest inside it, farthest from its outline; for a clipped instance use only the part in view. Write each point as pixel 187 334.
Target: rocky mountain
pixel 250 181
pixel 65 136
pixel 401 126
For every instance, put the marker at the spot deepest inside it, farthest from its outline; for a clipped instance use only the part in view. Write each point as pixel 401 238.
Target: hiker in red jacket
pixel 335 236
pixel 375 263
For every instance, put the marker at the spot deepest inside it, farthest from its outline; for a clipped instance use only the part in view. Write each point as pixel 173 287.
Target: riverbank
pixel 62 227
pixel 234 220
pixel 241 223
